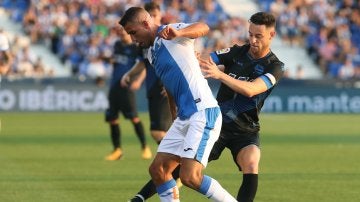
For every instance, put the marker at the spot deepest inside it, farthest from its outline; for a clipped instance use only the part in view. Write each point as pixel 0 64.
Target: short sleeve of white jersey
pixel 4 44
pixel 182 40
pixel 179 25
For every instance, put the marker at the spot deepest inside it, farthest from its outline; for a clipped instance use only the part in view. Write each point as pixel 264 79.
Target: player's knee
pixel 191 179
pixel 135 120
pixel 250 167
pixel 156 171
pixel 110 117
pixel 158 135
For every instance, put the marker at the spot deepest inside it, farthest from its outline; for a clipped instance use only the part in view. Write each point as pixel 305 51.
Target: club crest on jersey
pixel 259 69
pixel 222 51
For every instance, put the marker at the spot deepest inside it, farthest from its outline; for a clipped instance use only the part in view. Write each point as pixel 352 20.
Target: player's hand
pixel 163 92
pixel 125 81
pixel 134 86
pixel 209 68
pixel 169 33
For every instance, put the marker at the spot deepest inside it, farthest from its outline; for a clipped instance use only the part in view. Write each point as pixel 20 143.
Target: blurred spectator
pixel 299 74
pixel 329 30
pixel 70 28
pixel 5 54
pixel 347 70
pixel 24 61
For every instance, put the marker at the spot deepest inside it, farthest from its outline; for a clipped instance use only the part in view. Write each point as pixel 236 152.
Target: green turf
pixel 51 157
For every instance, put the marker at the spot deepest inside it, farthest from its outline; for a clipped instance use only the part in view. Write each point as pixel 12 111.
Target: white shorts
pixel 194 137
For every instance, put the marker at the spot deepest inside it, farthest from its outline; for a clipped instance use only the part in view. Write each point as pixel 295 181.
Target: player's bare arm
pixel 247 88
pixel 136 70
pixel 172 105
pixel 192 31
pixel 137 81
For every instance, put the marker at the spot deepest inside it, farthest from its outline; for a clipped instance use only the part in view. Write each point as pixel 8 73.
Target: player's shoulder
pixel 233 50
pixel 241 49
pixel 273 59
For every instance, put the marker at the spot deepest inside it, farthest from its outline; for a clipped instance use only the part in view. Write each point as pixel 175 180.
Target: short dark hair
pixel 263 18
pixel 151 6
pixel 130 15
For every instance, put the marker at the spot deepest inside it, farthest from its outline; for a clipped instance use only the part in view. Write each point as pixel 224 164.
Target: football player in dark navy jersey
pixel 248 75
pixel 240 111
pixel 123 99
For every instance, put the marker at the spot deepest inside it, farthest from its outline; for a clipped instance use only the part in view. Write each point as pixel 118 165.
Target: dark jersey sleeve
pixel 223 56
pixel 275 69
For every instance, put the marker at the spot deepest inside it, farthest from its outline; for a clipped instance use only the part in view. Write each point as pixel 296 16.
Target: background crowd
pixel 82 32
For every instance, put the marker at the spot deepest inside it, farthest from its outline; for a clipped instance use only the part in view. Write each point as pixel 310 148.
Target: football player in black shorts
pixel 249 74
pixel 123 99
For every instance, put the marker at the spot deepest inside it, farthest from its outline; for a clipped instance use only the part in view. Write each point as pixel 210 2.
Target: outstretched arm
pixel 137 81
pixel 192 31
pixel 172 105
pixel 246 88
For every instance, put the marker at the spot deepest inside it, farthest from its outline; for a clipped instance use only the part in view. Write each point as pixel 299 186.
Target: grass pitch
pixel 60 157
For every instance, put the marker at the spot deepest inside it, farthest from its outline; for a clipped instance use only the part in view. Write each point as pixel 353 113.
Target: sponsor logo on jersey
pixel 259 69
pixel 188 149
pixel 222 51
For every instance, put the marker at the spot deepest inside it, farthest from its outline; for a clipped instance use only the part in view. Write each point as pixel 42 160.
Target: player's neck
pixel 154 32
pixel 260 54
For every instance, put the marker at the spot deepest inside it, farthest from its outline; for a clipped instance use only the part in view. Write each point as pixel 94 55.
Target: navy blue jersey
pixel 241 112
pixel 125 56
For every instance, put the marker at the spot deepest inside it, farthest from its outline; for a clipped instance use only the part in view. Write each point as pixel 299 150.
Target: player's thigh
pixel 173 141
pixel 166 161
pixel 202 134
pixel 112 113
pixel 128 104
pixel 244 147
pixel 248 158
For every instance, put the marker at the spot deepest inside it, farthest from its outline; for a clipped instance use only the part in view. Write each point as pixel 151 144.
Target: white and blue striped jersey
pixel 176 65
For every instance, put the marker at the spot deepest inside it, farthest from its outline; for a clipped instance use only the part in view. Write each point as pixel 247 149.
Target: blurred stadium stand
pixel 292 56
pixel 51 61
pixel 318 49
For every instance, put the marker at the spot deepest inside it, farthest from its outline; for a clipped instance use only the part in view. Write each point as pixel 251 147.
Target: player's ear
pixel 272 34
pixel 146 24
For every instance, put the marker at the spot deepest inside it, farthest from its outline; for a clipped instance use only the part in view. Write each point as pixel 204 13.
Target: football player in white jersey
pixel 192 135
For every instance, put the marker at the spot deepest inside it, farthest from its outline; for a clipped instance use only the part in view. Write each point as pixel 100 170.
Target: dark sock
pixel 139 129
pixel 136 199
pixel 176 173
pixel 248 188
pixel 115 135
pixel 149 189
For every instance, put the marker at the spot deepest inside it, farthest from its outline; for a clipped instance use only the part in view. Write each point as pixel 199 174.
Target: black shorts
pixel 121 100
pixel 234 141
pixel 159 110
